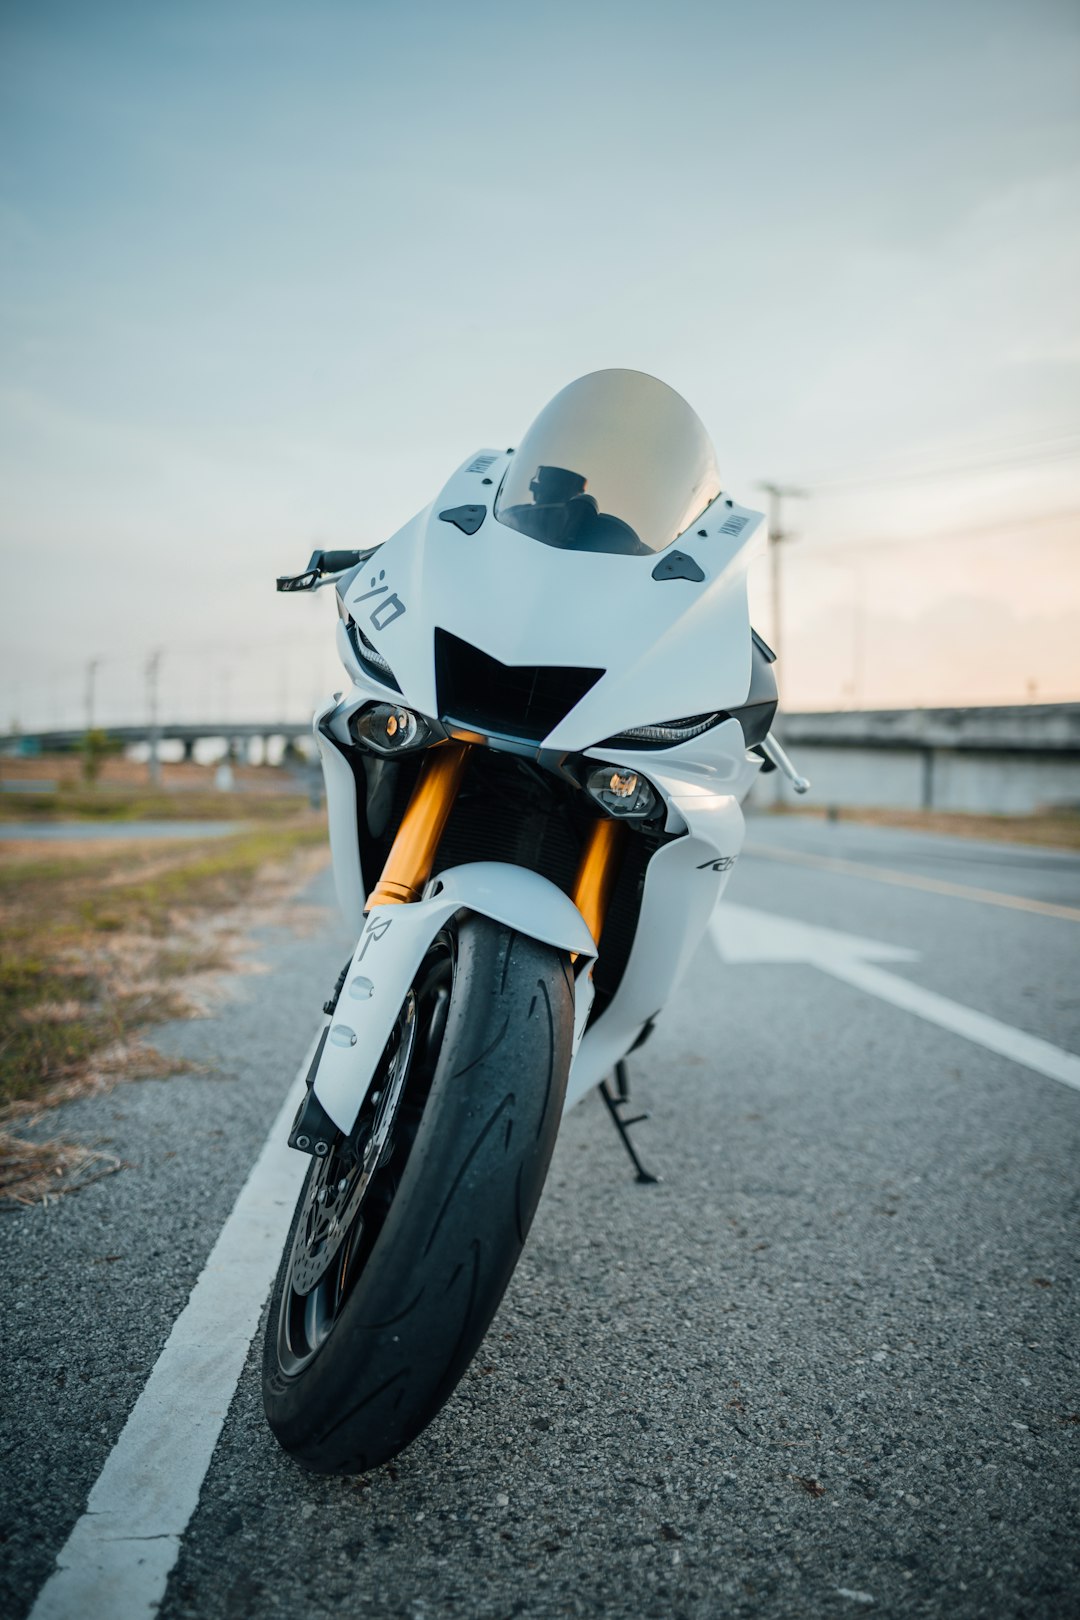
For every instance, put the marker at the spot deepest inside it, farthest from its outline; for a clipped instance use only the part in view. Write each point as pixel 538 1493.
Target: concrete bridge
pixel 1005 760
pixel 237 735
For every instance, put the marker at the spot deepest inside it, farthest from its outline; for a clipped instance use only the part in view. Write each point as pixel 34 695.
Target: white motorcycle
pixel 533 784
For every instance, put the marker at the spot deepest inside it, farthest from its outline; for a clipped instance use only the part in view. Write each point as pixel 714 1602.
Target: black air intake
pixel 515 700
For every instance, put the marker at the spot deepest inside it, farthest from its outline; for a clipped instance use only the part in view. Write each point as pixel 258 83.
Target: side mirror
pixel 321 563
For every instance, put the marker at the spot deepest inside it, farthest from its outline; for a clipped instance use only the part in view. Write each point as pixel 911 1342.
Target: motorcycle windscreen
pixel 617 462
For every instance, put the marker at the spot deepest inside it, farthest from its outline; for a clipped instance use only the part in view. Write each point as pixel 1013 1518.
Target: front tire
pixel 359 1361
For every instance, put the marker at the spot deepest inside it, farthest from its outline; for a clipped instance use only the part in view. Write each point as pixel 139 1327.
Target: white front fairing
pixel 669 647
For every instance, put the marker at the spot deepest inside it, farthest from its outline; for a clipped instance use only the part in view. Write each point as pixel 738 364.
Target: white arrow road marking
pixel 117 1559
pixel 743 935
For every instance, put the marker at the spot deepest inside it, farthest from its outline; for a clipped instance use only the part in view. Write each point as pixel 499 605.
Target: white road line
pixel 116 1561
pixel 742 934
pixel 1015 1044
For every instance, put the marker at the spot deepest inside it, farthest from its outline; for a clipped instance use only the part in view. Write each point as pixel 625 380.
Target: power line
pixel 991 461
pixel 974 531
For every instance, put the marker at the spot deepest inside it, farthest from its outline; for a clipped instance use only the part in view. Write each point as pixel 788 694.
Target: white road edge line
pixel 118 1557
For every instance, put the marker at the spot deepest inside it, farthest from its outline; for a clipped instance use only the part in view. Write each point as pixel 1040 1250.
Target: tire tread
pixel 384 1372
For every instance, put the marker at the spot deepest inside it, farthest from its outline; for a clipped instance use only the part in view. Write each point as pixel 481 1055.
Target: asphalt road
pixel 829 1366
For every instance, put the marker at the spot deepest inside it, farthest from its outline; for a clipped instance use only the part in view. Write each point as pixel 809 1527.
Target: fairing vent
pixel 513 700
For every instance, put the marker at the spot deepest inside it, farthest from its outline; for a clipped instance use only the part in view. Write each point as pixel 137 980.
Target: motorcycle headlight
pixel 368 656
pixel 622 792
pixel 389 728
pixel 667 732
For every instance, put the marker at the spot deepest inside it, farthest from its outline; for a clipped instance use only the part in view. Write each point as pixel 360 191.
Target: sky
pixel 269 272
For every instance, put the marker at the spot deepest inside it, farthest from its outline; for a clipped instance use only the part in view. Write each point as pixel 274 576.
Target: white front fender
pixel 392 946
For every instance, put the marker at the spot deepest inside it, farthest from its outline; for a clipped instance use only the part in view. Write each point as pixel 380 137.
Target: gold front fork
pixel 412 854
pixel 601 858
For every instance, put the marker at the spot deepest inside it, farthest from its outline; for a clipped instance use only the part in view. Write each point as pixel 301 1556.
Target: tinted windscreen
pixel 617 462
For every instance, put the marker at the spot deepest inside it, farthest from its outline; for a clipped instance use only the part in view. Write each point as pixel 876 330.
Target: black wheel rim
pixel 348 1195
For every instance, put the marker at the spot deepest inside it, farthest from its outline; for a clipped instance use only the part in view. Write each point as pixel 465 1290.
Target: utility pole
pixel 858 639
pixel 92 667
pixel 777 494
pixel 153 736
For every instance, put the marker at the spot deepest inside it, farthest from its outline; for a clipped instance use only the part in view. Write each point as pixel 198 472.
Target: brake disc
pixel 341 1180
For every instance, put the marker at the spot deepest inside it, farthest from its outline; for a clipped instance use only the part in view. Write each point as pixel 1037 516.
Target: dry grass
pixel 34 1172
pixel 105 939
pixel 1050 829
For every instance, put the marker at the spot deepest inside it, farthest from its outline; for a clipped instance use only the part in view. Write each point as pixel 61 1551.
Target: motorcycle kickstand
pixel 613 1102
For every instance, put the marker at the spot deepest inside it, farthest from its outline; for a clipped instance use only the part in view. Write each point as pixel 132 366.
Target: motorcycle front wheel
pixel 406 1235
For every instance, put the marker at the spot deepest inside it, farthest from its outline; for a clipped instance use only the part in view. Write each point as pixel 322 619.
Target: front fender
pixel 392 946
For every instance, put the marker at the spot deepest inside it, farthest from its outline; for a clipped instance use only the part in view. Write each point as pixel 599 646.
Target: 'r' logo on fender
pixel 375 931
